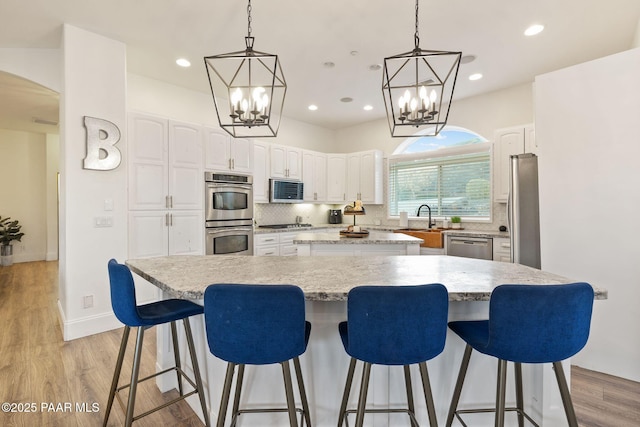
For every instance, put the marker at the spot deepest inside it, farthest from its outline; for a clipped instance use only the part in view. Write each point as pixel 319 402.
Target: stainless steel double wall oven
pixel 228 214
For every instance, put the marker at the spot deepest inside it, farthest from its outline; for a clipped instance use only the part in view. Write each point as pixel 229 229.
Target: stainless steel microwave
pixel 281 191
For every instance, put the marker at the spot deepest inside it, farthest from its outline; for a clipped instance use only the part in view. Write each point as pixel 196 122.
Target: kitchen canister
pixel 404 219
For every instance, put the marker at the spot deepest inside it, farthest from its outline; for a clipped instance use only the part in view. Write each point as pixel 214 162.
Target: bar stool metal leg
pixel 288 389
pixel 364 388
pixel 426 385
pixel 176 355
pixel 196 371
pixel 500 392
pixel 235 411
pixel 519 395
pixel 564 393
pixel 134 376
pixel 303 392
pixel 459 382
pixel 407 383
pixel 116 374
pixel 226 391
pixel 347 391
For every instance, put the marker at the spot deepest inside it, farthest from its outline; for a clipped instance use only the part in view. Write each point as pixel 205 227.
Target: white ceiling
pixel 305 34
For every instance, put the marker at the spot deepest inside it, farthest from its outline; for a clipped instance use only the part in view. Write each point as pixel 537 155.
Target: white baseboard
pixel 85 326
pixel 52 256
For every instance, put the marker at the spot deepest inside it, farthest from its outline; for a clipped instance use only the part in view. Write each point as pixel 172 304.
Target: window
pixel 454 178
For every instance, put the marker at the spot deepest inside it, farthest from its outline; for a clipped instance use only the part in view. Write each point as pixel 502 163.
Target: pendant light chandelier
pixel 248 89
pixel 417 87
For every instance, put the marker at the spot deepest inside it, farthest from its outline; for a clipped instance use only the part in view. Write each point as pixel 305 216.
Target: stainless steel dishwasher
pixel 470 247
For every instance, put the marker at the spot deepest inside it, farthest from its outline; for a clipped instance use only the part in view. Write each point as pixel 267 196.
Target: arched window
pixel 451 173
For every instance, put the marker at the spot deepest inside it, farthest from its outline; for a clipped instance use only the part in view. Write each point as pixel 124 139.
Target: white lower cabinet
pixel 161 233
pixel 501 249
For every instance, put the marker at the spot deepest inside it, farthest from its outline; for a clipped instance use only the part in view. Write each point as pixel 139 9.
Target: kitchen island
pixel 332 243
pixel 326 282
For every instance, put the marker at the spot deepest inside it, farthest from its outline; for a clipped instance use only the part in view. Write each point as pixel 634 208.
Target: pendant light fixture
pixel 417 87
pixel 248 89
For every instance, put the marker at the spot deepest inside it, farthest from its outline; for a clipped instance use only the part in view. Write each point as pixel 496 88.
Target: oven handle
pixel 232 186
pixel 225 229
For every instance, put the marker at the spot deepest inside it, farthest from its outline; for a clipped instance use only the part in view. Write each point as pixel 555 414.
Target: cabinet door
pixel 278 154
pixel 353 176
pixel 216 149
pixel 148 162
pixel 320 177
pixel 308 176
pixel 336 174
pixel 507 142
pixel 530 142
pixel 147 236
pixel 241 155
pixel 294 163
pixel 186 182
pixel 186 233
pixel 371 177
pixel 260 172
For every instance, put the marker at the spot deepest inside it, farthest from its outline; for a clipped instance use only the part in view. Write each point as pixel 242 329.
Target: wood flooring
pixel 38 368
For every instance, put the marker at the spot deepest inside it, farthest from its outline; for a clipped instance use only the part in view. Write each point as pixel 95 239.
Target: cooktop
pixel 285 226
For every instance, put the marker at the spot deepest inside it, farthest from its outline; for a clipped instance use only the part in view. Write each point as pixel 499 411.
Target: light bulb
pixel 245 105
pixel 433 96
pixel 423 93
pixel 257 92
pixel 265 100
pixel 414 104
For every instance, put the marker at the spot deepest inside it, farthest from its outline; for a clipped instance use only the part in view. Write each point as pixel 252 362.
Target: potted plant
pixel 455 222
pixel 9 231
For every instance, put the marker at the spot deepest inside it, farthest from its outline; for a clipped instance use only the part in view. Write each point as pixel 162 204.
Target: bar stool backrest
pixel 123 294
pixel 397 325
pixel 255 324
pixel 539 324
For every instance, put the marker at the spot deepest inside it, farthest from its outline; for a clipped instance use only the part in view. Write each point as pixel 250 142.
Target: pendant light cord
pixel 416 36
pixel 249 19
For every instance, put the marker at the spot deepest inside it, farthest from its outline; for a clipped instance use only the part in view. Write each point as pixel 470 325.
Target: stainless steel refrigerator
pixel 523 211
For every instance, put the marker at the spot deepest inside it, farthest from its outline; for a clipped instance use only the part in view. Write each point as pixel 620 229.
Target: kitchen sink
pixel 432 237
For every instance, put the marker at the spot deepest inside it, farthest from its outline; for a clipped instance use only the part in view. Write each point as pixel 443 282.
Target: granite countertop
pixel 330 278
pixel 374 237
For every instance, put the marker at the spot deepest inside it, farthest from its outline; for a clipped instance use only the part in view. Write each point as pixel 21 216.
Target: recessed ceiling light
pixel 476 76
pixel 368 107
pixel 375 67
pixel 312 107
pixel 534 29
pixel 329 64
pixel 467 58
pixel 346 99
pixel 183 62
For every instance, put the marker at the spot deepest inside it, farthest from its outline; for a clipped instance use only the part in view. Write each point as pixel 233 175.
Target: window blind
pixel 452 185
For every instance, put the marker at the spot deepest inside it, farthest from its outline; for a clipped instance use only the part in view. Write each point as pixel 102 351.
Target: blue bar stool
pixel 527 324
pixel 393 325
pixel 123 301
pixel 257 325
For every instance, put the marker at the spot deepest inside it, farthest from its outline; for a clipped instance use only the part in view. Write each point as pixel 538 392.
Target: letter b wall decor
pixel 102 136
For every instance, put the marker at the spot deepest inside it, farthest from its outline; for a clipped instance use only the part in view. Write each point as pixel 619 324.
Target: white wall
pixel 587 128
pixel 52 168
pixel 481 114
pixel 94 84
pixel 23 190
pixel 636 39
pixel 155 97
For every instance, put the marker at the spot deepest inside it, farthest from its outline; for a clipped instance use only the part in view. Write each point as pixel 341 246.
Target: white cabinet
pixel 286 162
pixel 507 142
pixel 275 244
pixel 314 176
pixel 157 233
pixel 165 164
pixel 364 177
pixel 166 186
pixel 260 172
pixel 223 153
pixel 501 249
pixel 336 178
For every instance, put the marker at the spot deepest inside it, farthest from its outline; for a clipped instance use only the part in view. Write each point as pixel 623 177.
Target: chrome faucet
pixel 429 208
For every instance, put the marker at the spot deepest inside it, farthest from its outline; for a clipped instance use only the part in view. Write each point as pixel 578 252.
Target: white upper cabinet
pixel 508 142
pixel 364 177
pixel 286 162
pixel 165 164
pixel 223 153
pixel 336 178
pixel 314 176
pixel 261 172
